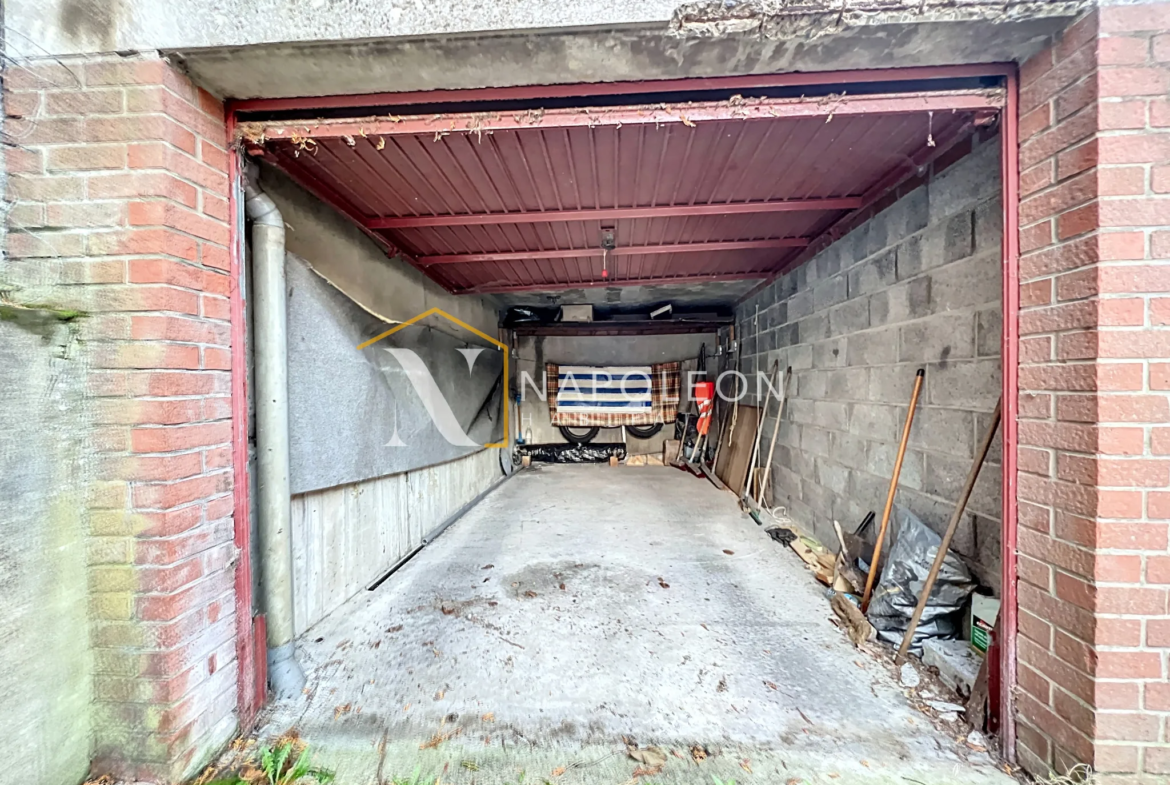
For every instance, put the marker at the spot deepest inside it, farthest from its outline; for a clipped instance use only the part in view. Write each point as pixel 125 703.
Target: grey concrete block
pixel 873 347
pixel 802 411
pixel 880 234
pixel 938 339
pixel 828 262
pixel 971 384
pixel 786 285
pixel 812 384
pixel 945 475
pixel 833 476
pixel 833 415
pixel 987 496
pixel 848 450
pixel 988 550
pixel 788 335
pixel 790 435
pixel 965 284
pixel 908 257
pixel 782 456
pixel 849 317
pixel 830 292
pixel 995 452
pixel 814 440
pixel 800 274
pixel 829 354
pixel 869 490
pixel 785 485
pixel 915 207
pixel 877 421
pixel 989 332
pixel 818 498
pixel 873 274
pixel 891 384
pixel 800 356
pixel 879 461
pixel 879 308
pixel 906 301
pixel 943 430
pixel 849 384
pixel 780 313
pixel 989 225
pixel 959 237
pixel 800 305
pixel 803 463
pixel 765 321
pixel 967 181
pixel 813 328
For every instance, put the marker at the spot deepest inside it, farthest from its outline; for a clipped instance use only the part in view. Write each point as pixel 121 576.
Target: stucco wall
pixel 45 666
pixel 76 26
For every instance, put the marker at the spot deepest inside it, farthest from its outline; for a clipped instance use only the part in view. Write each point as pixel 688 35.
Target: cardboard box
pixel 576 313
pixel 981 622
pixel 669 451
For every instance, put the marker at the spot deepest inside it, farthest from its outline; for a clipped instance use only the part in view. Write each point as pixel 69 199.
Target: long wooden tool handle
pixel 877 548
pixel 775 431
pixel 747 485
pixel 952 527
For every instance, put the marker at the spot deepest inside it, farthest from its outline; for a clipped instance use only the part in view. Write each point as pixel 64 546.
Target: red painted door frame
pixel 251 649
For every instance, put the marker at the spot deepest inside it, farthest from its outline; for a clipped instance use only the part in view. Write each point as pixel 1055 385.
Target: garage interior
pixel 848 227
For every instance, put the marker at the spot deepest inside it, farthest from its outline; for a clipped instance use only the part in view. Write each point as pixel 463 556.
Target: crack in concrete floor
pixel 577 605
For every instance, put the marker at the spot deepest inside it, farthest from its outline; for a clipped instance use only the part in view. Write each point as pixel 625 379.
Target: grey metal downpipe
pixel 272 457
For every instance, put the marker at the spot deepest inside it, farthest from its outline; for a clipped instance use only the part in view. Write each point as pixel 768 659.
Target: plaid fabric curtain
pixel 665 385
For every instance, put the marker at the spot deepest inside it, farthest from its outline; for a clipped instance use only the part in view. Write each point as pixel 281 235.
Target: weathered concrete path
pixel 580 604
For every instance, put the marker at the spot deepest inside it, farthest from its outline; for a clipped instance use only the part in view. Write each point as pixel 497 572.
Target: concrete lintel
pixel 628 54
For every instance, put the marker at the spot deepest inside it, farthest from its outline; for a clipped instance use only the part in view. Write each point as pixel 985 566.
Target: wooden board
pixel 733 460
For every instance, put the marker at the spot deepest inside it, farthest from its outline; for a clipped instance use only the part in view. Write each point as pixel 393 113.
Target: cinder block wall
pixel 117 179
pixel 915 286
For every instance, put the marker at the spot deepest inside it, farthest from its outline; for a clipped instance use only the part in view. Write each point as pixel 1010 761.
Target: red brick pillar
pixel 119 188
pixel 1094 479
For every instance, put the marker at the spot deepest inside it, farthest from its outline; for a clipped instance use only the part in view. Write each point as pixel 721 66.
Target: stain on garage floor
pixel 577 605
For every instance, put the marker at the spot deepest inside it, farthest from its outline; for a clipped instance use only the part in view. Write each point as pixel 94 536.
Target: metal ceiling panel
pixel 778 160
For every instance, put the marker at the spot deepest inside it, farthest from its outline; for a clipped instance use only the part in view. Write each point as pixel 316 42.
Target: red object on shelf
pixel 705 397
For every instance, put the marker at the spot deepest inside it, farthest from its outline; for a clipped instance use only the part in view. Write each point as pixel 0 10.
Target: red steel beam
pixel 369 129
pixel 251 648
pixel 698 84
pixel 616 213
pixel 631 250
pixel 550 287
pixel 1009 615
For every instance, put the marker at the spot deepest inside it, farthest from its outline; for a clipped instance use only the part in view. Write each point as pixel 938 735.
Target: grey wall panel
pixel 355 415
pixel 345 537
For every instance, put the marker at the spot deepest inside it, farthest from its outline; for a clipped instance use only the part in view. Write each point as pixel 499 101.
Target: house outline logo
pixel 440 312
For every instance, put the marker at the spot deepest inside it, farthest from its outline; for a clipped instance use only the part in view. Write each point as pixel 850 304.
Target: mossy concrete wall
pixel 45 668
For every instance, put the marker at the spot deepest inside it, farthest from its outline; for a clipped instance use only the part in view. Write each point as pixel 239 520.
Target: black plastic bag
pixel 572 453
pixel 896 596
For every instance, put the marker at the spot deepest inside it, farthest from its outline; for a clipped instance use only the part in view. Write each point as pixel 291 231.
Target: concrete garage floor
pixel 579 604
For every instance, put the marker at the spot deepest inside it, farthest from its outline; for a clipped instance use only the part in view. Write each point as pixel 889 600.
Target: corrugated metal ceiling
pixel 504 185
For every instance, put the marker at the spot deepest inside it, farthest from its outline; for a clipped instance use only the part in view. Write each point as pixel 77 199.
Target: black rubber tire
pixel 643 431
pixel 579 438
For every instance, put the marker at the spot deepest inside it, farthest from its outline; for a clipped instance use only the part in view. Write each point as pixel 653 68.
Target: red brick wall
pixel 1094 482
pixel 119 188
